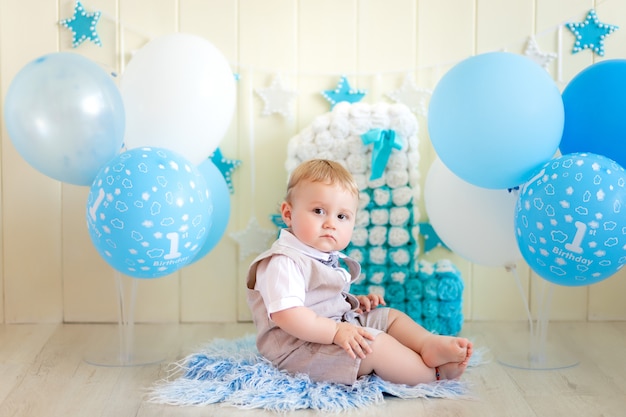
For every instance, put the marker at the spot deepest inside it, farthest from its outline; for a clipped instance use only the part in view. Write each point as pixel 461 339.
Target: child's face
pixel 321 215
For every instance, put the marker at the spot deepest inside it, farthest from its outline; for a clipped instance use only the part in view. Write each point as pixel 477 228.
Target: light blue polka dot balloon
pixel 570 219
pixel 149 212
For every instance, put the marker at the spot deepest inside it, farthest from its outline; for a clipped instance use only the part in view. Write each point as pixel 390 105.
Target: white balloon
pixel 474 222
pixel 179 94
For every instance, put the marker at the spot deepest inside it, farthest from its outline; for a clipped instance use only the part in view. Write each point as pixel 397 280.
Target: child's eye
pixel 318 211
pixel 342 217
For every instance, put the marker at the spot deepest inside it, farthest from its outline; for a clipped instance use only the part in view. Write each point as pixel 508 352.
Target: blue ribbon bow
pixel 384 142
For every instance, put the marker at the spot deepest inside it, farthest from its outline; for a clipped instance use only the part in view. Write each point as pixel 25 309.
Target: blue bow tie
pixel 333 260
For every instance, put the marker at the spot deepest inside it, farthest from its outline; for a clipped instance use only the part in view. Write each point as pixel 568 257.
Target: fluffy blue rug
pixel 232 372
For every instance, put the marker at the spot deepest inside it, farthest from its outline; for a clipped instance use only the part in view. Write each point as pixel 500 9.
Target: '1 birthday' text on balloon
pixel 149 212
pixel 570 219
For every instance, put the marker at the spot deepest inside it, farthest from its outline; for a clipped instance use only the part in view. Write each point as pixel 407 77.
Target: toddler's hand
pixel 368 302
pixel 353 339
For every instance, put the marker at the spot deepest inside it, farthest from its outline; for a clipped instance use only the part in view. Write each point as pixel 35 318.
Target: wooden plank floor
pixel 44 372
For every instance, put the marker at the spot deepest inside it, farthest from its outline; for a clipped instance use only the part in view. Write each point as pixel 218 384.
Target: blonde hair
pixel 324 171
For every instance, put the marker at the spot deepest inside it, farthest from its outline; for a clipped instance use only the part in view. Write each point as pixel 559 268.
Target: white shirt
pixel 280 280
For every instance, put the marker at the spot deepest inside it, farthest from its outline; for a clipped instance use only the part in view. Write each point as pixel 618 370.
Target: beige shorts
pixel 330 363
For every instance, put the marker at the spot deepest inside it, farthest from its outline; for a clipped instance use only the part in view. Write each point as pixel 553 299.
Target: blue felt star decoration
pixel 590 33
pixel 83 25
pixel 431 239
pixel 226 167
pixel 343 92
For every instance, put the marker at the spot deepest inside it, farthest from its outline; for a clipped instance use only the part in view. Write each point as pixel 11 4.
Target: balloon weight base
pixel 533 350
pixel 550 358
pixel 127 346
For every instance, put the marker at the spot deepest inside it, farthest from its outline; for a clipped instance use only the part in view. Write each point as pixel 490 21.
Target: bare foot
pixel 440 350
pixel 452 370
pixel 470 350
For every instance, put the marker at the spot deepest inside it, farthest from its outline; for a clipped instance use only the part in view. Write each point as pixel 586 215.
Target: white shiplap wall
pixel 50 270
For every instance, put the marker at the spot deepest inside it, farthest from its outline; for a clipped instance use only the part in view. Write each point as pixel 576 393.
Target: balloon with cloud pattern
pixel 570 219
pixel 149 212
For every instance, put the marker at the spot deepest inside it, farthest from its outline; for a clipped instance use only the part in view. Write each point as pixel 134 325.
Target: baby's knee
pixel 383 341
pixel 395 314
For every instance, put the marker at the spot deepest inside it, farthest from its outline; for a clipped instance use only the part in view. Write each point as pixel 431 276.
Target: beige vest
pixel 326 293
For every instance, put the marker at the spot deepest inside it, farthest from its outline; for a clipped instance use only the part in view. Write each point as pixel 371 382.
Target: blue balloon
pixel 65 117
pixel 594 102
pixel 148 212
pixel 495 118
pixel 220 195
pixel 570 219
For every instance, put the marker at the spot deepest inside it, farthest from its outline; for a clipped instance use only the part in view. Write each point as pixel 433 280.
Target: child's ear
pixel 285 211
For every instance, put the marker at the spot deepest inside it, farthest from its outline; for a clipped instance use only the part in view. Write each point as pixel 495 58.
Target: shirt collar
pixel 291 240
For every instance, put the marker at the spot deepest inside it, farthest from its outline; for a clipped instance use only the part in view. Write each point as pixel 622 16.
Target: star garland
pixel 277 98
pixel 277 219
pixel 343 92
pixel 83 25
pixel 226 167
pixel 431 239
pixel 590 33
pixel 253 239
pixel 533 52
pixel 411 96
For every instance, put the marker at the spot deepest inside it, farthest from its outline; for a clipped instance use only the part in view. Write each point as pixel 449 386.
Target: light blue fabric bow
pixel 384 142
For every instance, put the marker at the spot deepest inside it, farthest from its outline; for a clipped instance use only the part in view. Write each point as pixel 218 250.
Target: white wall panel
pixel 31 202
pixel 50 270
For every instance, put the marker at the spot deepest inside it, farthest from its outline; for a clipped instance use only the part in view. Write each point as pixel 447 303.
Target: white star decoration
pixel 411 96
pixel 541 58
pixel 253 239
pixel 277 98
